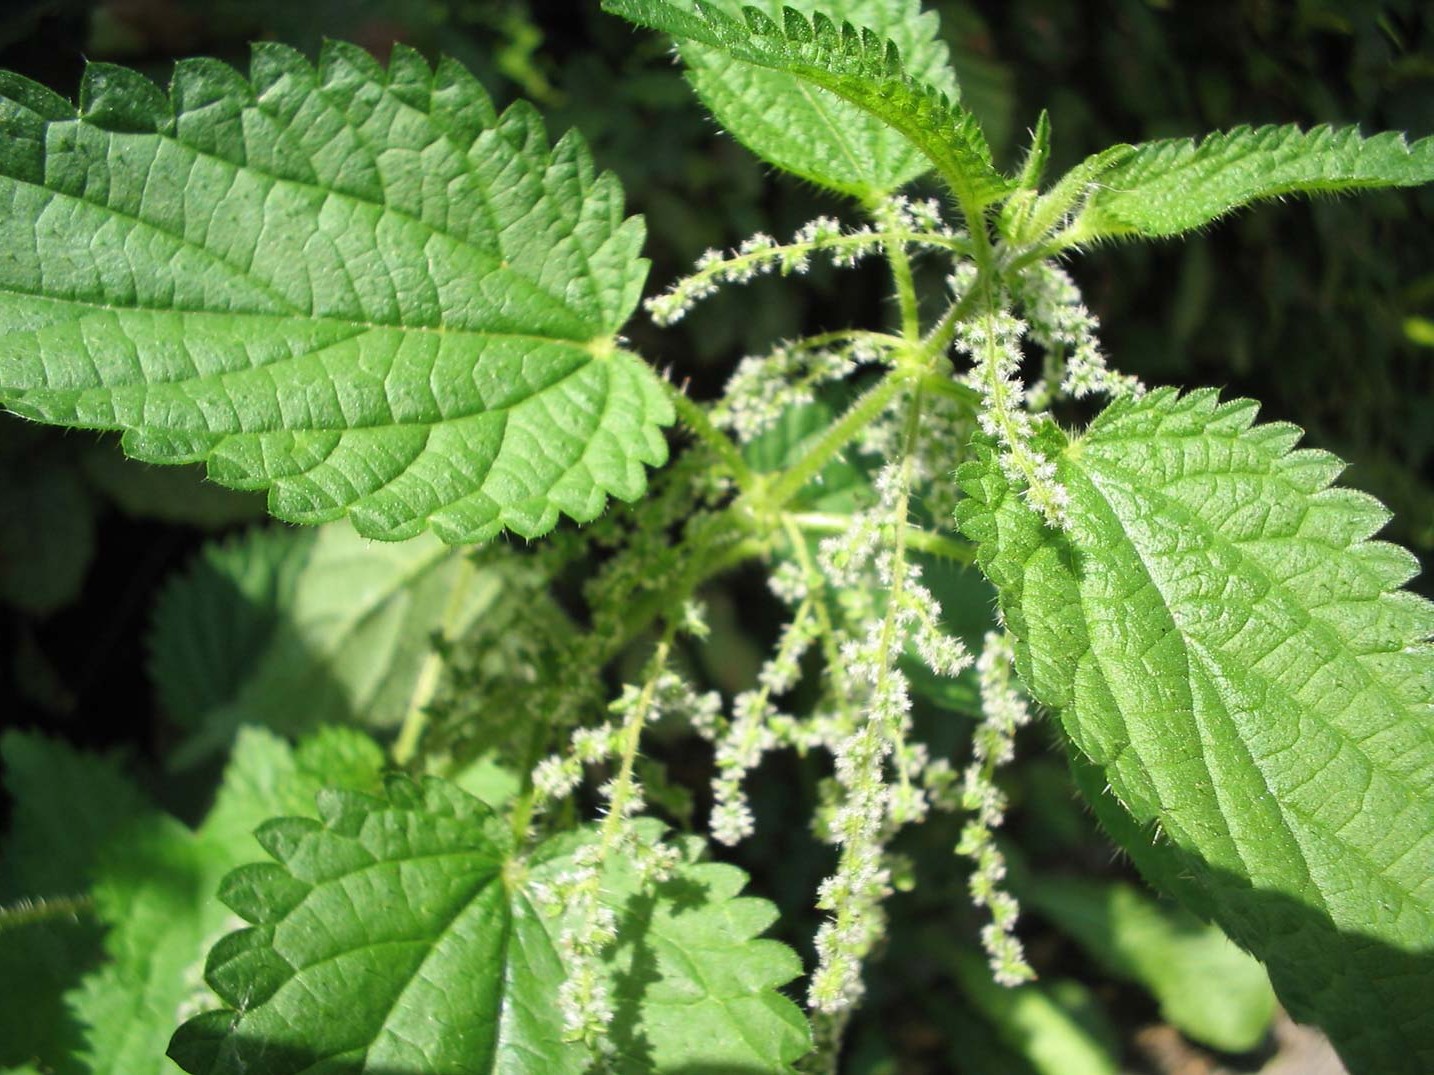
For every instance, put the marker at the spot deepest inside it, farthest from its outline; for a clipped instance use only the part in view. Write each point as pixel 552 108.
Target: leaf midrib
pixel 348 426
pixel 278 180
pixel 299 316
pixel 482 881
pixel 1289 809
pixel 1136 486
pixel 1239 848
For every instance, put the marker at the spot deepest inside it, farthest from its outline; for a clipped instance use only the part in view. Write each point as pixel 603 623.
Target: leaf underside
pixel 1167 187
pixel 840 105
pixel 399 935
pixel 1221 638
pixel 293 629
pixel 809 131
pixel 356 287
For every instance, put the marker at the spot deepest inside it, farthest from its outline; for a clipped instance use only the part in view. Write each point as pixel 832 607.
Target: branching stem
pixel 694 416
pixel 928 541
pixel 631 737
pixel 857 417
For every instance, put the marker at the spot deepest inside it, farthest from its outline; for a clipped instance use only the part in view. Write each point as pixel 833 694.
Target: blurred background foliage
pixel 1324 312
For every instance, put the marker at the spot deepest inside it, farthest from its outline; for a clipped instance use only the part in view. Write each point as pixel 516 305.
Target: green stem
pixel 983 250
pixel 523 803
pixel 631 736
pixel 723 543
pixel 816 586
pixel 694 416
pixel 938 340
pixel 905 292
pixel 415 720
pixel 858 416
pixel 948 548
pixel 957 390
pixel 903 540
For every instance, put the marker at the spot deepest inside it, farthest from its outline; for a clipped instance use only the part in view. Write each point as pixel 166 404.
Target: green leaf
pixel 156 893
pixel 694 986
pixel 296 629
pixel 1167 187
pixel 814 133
pixel 67 805
pixel 1205 985
pixel 355 287
pixel 852 108
pixel 402 934
pixel 1220 637
pixel 66 808
pixel 214 621
pixel 1037 1021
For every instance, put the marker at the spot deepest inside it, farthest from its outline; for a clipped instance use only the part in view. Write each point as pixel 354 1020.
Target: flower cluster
pixel 921 221
pixel 993 340
pixel 1004 711
pixel 764 388
pixel 945 431
pixel 590 928
pixel 761 255
pixel 1059 322
pixel 886 609
pixel 898 220
pixel 559 774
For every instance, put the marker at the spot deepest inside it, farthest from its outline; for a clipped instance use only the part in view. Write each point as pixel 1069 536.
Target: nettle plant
pixel 362 290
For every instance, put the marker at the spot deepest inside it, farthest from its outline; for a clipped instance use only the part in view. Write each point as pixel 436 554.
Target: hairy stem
pixel 631 736
pixel 694 416
pixel 846 429
pixel 905 283
pixel 816 584
pixel 942 545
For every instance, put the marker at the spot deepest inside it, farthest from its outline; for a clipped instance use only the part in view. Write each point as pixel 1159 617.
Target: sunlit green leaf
pixel 1219 635
pixel 355 287
pixel 836 103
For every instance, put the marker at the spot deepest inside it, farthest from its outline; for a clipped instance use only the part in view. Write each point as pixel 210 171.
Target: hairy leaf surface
pixel 851 107
pixel 812 132
pixel 155 891
pixel 356 287
pixel 1170 186
pixel 1220 637
pixel 402 935
pixel 294 629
